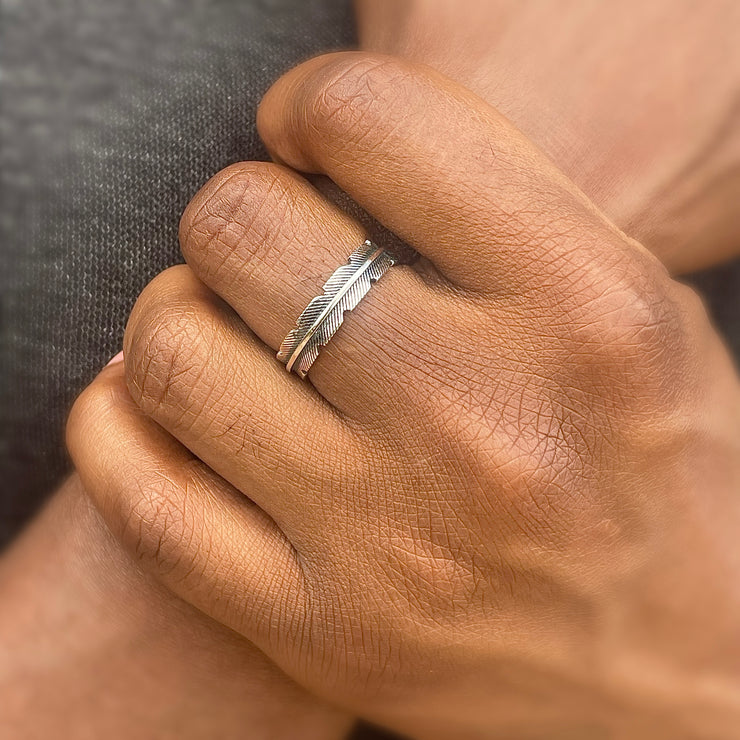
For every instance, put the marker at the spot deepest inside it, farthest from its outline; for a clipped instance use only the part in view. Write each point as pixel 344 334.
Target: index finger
pixel 438 166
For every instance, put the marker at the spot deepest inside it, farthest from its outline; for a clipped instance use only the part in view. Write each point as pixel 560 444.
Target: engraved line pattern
pixel 323 316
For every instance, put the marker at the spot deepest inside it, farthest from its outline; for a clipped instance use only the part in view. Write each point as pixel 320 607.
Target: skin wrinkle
pixel 247 229
pixel 171 336
pixel 190 219
pixel 333 97
pixel 209 401
pixel 155 511
pixel 480 504
pixel 181 578
pixel 469 213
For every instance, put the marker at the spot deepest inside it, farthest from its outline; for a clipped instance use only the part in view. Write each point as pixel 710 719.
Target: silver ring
pixel 320 320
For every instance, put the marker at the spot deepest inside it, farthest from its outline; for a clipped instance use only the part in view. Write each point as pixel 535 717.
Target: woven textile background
pixel 112 114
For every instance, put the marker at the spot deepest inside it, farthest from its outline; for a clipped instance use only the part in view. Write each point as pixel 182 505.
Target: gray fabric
pixel 112 114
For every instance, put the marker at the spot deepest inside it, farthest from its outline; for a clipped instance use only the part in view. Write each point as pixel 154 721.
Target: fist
pixel 506 503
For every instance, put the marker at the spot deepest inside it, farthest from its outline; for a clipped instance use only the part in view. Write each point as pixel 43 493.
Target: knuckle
pixel 625 325
pixel 623 360
pixel 636 322
pixel 351 95
pixel 154 524
pixel 86 420
pixel 236 213
pixel 162 342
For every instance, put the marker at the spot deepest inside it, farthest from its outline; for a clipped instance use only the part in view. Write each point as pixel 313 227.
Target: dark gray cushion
pixel 112 115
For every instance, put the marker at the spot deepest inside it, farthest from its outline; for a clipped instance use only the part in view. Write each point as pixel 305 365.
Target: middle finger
pixel 265 240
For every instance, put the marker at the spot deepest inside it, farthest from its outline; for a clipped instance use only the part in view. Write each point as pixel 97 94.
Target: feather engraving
pixel 324 314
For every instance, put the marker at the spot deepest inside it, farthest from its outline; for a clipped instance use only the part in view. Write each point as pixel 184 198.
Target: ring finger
pixel 265 240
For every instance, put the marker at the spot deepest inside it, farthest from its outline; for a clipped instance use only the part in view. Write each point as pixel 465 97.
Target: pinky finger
pixel 196 533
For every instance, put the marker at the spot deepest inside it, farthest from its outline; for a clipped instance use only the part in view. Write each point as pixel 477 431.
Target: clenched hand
pixel 507 503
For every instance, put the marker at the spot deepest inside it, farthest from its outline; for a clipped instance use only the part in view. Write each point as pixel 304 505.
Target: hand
pixel 506 503
pixel 91 647
pixel 627 99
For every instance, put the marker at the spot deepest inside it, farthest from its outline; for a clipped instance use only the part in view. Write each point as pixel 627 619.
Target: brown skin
pixel 91 647
pixel 637 102
pixel 506 504
pixel 670 154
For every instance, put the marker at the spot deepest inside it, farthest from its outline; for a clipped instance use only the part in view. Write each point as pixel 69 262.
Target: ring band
pixel 320 320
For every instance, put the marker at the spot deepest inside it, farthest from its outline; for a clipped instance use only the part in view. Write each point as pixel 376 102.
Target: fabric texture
pixel 112 115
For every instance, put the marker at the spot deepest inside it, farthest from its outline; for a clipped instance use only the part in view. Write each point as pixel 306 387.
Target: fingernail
pixel 116 359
